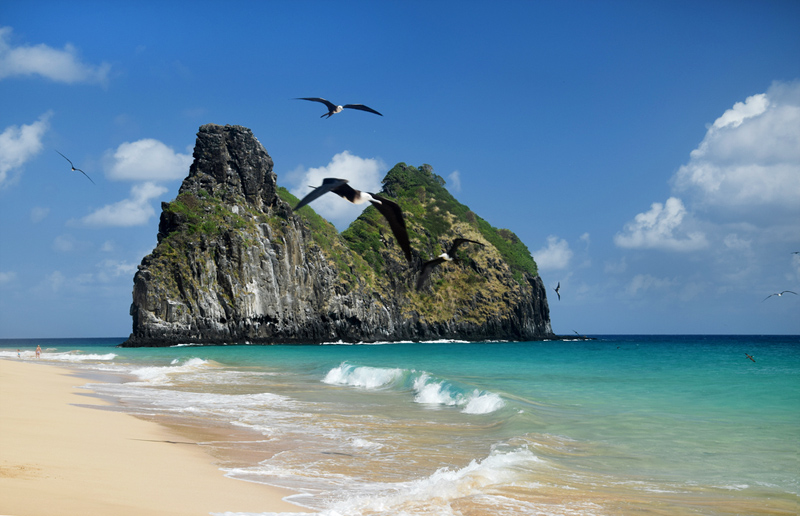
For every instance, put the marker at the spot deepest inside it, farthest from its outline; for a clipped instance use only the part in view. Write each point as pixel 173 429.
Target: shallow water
pixel 617 425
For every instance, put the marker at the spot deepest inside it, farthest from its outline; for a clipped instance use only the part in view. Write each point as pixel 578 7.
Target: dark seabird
pixel 447 256
pixel 389 209
pixel 779 294
pixel 558 287
pixel 79 170
pixel 750 357
pixel 333 108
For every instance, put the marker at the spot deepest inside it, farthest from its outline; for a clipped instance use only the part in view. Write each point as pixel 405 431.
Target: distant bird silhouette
pixel 447 256
pixel 389 209
pixel 750 357
pixel 79 170
pixel 779 294
pixel 558 287
pixel 333 108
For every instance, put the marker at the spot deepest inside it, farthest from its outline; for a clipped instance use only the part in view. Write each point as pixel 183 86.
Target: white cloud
pixel 646 282
pixel 750 156
pixel 39 213
pixel 146 160
pixel 133 211
pixel 57 65
pixel 7 277
pixel 64 243
pixel 455 181
pixel 659 228
pixel 556 255
pixel 110 269
pixel 19 144
pixel 734 242
pixel 616 267
pixel 54 281
pixel 363 174
pixel 752 106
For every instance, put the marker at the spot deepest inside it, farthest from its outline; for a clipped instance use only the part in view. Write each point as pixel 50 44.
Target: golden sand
pixel 61 457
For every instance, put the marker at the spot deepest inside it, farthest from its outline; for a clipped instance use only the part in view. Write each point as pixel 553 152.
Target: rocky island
pixel 235 264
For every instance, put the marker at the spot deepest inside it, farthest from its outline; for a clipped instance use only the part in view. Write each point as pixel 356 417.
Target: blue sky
pixel 647 153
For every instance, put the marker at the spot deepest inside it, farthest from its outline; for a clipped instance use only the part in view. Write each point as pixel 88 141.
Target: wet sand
pixel 61 456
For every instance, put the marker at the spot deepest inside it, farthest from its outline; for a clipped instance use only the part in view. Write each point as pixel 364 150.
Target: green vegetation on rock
pixel 421 194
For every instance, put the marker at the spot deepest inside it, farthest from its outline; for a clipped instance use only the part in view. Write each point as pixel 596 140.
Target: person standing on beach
pixel 38 351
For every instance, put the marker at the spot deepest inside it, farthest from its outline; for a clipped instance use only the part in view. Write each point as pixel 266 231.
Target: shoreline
pixel 63 452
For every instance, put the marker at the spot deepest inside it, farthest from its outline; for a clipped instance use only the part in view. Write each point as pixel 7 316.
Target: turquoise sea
pixel 644 425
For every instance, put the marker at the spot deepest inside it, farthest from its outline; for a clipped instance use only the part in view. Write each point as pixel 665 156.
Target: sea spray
pixel 364 377
pixel 427 389
pixel 162 375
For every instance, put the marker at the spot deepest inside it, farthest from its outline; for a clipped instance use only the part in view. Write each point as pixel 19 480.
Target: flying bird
pixel 447 256
pixel 558 287
pixel 779 294
pixel 750 357
pixel 333 108
pixel 389 209
pixel 79 170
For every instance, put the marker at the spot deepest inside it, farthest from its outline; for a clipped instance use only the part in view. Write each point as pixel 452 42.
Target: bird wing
pixel 331 105
pixel 769 296
pixel 362 107
pixel 66 158
pixel 457 242
pixel 789 291
pixel 87 175
pixel 346 191
pixel 425 272
pixel 328 184
pixel 394 215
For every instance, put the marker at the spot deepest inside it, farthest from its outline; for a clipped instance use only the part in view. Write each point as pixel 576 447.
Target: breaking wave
pixel 69 356
pixel 427 389
pixel 161 375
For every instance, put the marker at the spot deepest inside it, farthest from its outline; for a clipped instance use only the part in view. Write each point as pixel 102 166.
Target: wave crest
pixel 427 389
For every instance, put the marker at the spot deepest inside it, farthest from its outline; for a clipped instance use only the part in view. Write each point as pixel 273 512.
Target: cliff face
pixel 235 264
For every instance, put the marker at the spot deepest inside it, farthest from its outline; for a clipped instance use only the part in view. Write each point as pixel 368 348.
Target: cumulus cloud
pixel 64 243
pixel 660 228
pixel 454 179
pixel 134 211
pixel 19 144
pixel 363 174
pixel 646 282
pixel 107 270
pixel 39 213
pixel 750 156
pixel 556 255
pixel 54 64
pixel 146 160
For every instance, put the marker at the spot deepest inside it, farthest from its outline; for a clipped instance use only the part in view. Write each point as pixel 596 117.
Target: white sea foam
pixel 162 375
pixel 364 377
pixel 483 403
pixel 69 356
pixel 427 389
pixel 435 493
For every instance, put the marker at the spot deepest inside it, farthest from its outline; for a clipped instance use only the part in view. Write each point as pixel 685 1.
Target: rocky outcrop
pixel 235 264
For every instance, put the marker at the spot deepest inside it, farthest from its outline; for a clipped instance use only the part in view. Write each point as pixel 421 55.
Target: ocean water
pixel 644 425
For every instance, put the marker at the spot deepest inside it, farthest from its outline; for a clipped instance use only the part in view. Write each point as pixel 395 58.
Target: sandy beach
pixel 59 456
